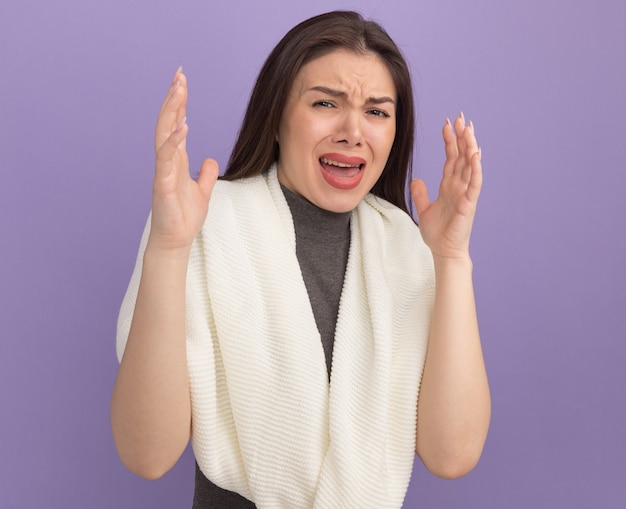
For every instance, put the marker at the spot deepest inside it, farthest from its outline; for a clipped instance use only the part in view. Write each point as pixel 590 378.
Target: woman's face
pixel 337 129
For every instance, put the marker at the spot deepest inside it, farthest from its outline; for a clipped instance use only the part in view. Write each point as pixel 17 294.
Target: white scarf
pixel 266 422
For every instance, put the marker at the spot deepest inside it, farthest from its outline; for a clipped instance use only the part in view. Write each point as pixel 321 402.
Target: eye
pixel 324 104
pixel 379 113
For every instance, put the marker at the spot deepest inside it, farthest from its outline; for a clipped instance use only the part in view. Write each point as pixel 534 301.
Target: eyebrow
pixel 339 93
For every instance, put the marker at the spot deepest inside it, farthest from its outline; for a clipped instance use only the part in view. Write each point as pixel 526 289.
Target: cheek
pixel 382 140
pixel 317 129
pixel 306 132
pixel 391 137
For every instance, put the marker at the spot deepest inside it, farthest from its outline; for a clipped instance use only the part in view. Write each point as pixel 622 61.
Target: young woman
pixel 287 316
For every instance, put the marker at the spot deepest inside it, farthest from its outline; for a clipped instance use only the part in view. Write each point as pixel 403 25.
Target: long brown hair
pixel 256 148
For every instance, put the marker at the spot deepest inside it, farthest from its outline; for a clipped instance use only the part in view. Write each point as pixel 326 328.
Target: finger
pixel 208 175
pixel 471 147
pixel 181 112
pixel 459 127
pixel 469 136
pixel 174 142
pixel 459 163
pixel 476 181
pixel 452 150
pixel 175 82
pixel 173 111
pixel 172 117
pixel 419 193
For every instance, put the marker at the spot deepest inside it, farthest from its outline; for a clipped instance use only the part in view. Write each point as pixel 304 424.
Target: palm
pixel 446 223
pixel 179 203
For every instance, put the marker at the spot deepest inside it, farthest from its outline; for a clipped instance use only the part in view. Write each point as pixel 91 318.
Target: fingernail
pixel 471 124
pixel 480 154
pixel 448 121
pixel 181 124
pixel 174 88
pixel 462 117
pixel 178 71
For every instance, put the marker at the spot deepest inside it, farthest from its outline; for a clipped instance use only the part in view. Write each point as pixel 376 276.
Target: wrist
pixel 162 253
pixel 461 262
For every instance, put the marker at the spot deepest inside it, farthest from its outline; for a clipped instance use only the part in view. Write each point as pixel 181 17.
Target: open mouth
pixel 345 173
pixel 341 170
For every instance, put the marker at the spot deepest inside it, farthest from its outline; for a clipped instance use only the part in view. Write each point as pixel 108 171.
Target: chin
pixel 339 204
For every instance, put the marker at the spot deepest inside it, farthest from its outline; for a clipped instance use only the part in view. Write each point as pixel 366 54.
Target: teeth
pixel 338 164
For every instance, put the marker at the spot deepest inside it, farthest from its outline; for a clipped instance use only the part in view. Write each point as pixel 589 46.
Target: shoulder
pixel 232 189
pixel 247 206
pixel 397 234
pixel 391 219
pixel 238 195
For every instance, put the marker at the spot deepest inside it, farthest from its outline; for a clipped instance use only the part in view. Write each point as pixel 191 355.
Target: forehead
pixel 354 73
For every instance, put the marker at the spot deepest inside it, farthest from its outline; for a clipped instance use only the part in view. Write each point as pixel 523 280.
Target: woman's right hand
pixel 179 203
pixel 150 406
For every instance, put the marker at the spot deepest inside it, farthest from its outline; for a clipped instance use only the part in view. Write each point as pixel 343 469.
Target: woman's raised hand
pixel 179 203
pixel 446 223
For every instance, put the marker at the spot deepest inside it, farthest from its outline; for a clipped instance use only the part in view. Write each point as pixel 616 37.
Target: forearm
pixel 150 407
pixel 454 405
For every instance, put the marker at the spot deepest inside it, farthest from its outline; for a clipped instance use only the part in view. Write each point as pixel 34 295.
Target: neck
pixel 316 221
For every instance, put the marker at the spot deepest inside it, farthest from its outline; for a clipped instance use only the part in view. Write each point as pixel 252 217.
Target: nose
pixel 349 129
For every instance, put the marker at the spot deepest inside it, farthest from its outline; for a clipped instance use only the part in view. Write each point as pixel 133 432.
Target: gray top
pixel 322 246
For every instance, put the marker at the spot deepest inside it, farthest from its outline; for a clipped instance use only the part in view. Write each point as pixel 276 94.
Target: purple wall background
pixel 543 81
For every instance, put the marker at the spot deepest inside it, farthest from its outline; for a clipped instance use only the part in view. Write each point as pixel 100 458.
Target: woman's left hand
pixel 446 223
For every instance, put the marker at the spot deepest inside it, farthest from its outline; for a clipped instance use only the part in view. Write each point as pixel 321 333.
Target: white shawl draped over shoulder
pixel 265 420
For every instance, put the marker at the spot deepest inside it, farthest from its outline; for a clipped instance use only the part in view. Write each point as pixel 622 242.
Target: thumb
pixel 420 196
pixel 209 170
